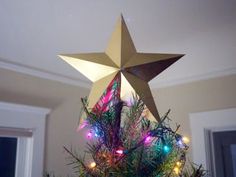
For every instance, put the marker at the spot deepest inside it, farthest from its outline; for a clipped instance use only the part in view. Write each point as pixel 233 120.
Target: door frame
pixel 202 125
pixel 24 119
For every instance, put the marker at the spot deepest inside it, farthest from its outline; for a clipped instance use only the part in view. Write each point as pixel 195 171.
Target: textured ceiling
pixel 33 33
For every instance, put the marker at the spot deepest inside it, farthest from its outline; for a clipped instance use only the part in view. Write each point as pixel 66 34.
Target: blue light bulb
pixel 166 148
pixel 180 144
pixel 96 132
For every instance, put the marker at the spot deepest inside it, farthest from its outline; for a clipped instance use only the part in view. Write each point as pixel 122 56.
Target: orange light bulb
pixel 92 165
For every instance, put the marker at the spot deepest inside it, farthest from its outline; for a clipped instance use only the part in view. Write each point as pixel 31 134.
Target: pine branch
pixel 78 161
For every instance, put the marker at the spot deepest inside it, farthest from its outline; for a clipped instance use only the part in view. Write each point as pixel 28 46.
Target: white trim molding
pixel 29 121
pixel 17 67
pixel 188 79
pixel 41 73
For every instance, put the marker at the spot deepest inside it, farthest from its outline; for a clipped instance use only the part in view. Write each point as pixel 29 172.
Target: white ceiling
pixel 34 32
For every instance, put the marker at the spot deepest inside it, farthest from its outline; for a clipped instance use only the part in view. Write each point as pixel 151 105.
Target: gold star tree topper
pixel 120 57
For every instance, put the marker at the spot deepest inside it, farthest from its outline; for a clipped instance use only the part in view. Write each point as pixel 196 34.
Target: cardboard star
pixel 121 58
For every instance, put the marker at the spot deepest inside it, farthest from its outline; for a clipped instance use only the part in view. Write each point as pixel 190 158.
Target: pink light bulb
pixel 82 125
pixel 148 139
pixel 89 135
pixel 120 151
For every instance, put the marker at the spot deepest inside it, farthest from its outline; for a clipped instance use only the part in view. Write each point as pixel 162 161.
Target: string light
pixel 92 164
pixel 180 143
pixel 119 151
pixel 166 148
pixel 148 139
pixel 176 170
pixel 96 132
pixel 178 164
pixel 185 139
pixel 81 126
pixel 89 135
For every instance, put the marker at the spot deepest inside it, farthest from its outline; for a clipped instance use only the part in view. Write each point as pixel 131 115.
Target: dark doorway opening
pixel 8 147
pixel 224 145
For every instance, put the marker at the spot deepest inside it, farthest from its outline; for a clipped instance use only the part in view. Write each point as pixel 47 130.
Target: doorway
pixel 224 150
pixel 22 133
pixel 8 149
pixel 204 127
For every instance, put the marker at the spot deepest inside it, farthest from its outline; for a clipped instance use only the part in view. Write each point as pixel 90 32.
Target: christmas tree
pixel 127 135
pixel 125 143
